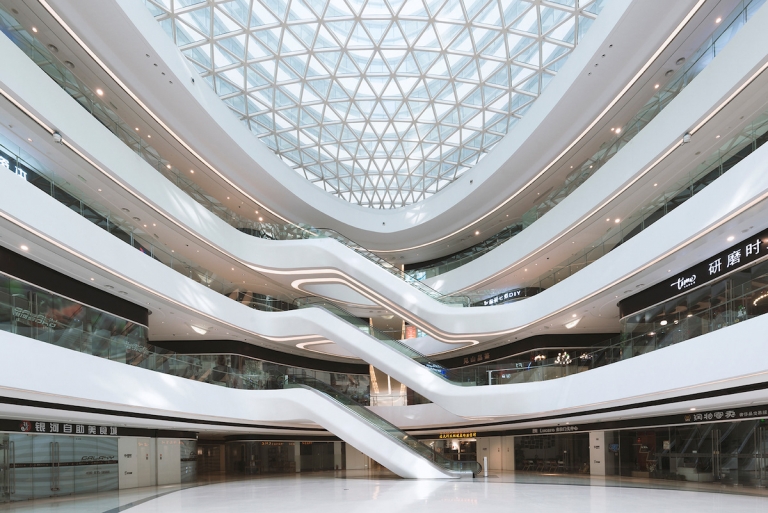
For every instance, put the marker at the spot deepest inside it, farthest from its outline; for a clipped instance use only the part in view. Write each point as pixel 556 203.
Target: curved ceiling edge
pixel 359 213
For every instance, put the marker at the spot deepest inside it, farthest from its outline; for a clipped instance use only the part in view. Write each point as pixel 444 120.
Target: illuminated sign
pixel 458 435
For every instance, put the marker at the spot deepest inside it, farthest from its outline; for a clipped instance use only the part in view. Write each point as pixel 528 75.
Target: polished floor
pixel 358 491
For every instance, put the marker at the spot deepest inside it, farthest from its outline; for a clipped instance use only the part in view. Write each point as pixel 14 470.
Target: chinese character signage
pixel 550 430
pixel 727 414
pixel 458 435
pixel 739 255
pixel 26 426
pixel 510 295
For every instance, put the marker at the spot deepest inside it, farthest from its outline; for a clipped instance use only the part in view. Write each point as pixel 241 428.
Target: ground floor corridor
pixel 383 492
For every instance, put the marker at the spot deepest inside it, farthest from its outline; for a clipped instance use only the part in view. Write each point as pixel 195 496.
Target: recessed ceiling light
pixel 663 323
pixel 730 238
pixel 617 220
pixel 717 137
pixel 99 190
pixel 655 184
pixel 656 86
pixel 477 233
pixel 572 324
pixel 718 20
pixel 24 248
pixel 574 315
pixel 99 92
pixel 198 330
pixel 261 219
pixel 227 197
pixel 34 29
pixel 168 166
pixel 153 224
pixel 137 129
pixel 92 279
pixel 28 139
pixel 693 409
pixel 608 219
pixel 618 130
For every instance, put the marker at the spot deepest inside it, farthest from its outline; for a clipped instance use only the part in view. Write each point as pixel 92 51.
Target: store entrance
pixel 456 449
pixel 5 477
pixel 547 454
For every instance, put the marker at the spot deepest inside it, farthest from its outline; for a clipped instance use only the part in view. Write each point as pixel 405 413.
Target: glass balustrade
pixel 99 108
pixel 682 78
pixel 730 153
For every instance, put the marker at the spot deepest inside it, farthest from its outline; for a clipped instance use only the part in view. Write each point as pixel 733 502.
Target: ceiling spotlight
pixel 168 166
pixel 192 171
pixel 137 129
pixel 477 233
pixel 261 219
pixel 572 324
pixel 24 248
pixel 617 220
pixel 693 409
pixel 718 20
pixel 655 184
pixel 198 329
pixel 663 323
pixel 618 130
pixel 656 86
pixel 99 92
pixel 34 29
pixel 729 239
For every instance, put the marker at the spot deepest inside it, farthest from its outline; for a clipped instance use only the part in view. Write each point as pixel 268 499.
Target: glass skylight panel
pixel 380 102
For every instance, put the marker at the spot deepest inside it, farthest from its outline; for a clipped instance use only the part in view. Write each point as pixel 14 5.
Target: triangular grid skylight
pixel 381 102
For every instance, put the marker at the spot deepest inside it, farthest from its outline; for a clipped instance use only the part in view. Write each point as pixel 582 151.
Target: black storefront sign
pixel 508 296
pixel 57 428
pixel 753 412
pixel 736 257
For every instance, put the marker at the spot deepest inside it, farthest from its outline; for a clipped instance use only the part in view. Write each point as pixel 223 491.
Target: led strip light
pixel 369 293
pixel 178 138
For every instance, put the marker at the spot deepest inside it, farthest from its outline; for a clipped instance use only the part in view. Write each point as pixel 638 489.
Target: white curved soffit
pixel 442 322
pixel 382 104
pixel 396 221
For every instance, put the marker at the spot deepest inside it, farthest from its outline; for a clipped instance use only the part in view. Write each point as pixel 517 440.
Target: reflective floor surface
pixel 361 491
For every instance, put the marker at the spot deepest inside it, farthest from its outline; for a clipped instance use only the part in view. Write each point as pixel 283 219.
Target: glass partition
pixel 681 79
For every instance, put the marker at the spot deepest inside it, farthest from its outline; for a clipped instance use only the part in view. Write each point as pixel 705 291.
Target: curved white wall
pixel 69 377
pixel 634 28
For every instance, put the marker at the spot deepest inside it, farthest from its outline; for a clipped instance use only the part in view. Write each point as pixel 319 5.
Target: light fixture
pixel 717 137
pixel 29 139
pixel 149 136
pixel 618 130
pixel 729 239
pixel 651 333
pixel 168 166
pixel 137 129
pixel 617 220
pixel 198 329
pixel 663 323
pixel 92 279
pixel 572 324
pixel 693 409
pixel 477 232
pixel 655 184
pixel 24 248
pixel 34 29
pixel 563 359
pixel 99 92
pixel 99 190
pixel 718 20
pixel 539 358
pixel 656 86
pixel 261 219
pixel 574 315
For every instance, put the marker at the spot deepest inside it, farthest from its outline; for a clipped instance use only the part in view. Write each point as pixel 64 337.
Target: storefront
pixel 41 459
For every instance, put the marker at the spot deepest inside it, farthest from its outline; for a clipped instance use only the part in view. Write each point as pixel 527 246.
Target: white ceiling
pixel 380 102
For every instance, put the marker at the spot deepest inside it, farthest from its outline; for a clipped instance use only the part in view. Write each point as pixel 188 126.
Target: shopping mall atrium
pixel 383 255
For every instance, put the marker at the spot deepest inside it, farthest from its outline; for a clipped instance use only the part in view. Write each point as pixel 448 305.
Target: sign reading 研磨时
pixel 737 256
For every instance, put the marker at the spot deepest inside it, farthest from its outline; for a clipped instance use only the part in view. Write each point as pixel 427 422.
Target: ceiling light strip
pixel 666 43
pixel 144 288
pixel 155 117
pixel 600 116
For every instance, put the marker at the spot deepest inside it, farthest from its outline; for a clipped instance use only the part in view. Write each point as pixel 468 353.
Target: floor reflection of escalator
pixel 457 468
